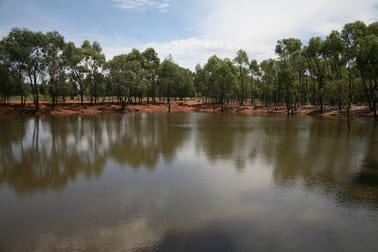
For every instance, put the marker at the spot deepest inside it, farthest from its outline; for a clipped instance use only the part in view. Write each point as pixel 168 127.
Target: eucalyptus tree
pixel 137 75
pixel 200 81
pixel 269 72
pixel 101 83
pixel 225 79
pixel 24 49
pixel 6 76
pixel 93 61
pixel 167 71
pixel 373 28
pixel 220 78
pixel 184 86
pixel 55 62
pixel 6 81
pixel 302 80
pixel 360 43
pixel 35 64
pixel 151 63
pixel 174 81
pixel 74 61
pixel 361 54
pixel 210 76
pixel 254 70
pixel 124 74
pixel 350 33
pixel 333 48
pixel 242 63
pixel 367 63
pixel 289 75
pixel 342 67
pixel 342 72
pixel 317 66
pixel 16 51
pixel 118 74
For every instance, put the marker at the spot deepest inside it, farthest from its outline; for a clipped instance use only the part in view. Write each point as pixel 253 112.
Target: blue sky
pixel 190 31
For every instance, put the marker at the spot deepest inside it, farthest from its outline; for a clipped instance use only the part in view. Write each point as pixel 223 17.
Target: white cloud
pixel 258 23
pixel 160 5
pixel 219 26
pixel 190 52
pixel 255 26
pixel 186 52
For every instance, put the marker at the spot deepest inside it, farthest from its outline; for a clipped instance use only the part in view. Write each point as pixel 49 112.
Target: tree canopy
pixel 339 69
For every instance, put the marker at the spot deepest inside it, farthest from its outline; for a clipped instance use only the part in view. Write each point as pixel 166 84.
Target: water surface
pixel 188 182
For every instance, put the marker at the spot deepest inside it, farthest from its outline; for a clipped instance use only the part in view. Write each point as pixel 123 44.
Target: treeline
pixel 34 63
pixel 340 69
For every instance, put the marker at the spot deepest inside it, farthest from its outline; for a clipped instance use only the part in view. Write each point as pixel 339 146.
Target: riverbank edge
pixel 74 108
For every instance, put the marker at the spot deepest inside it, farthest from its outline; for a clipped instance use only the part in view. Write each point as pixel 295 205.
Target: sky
pixel 189 30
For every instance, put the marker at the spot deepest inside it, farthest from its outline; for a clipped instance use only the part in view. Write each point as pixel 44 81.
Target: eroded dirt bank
pixel 74 108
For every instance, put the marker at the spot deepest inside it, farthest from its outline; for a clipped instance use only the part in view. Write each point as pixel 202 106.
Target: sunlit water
pixel 188 182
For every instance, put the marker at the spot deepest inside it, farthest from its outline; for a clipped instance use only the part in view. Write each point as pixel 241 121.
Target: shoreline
pixel 15 109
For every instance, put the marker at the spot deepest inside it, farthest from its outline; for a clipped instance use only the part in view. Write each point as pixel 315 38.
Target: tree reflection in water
pixel 233 182
pixel 43 154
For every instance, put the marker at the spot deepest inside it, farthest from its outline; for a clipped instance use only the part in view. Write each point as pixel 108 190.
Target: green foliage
pixel 25 51
pixel 174 81
pixel 74 57
pixel 242 64
pixel 55 62
pixel 290 71
pixel 218 79
pixel 339 69
pixel 269 88
pixel 93 62
pixel 151 63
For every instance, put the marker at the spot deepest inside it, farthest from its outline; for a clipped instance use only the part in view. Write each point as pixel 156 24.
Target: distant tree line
pixel 340 69
pixel 35 64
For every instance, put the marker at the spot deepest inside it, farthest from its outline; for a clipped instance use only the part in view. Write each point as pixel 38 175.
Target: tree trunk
pixel 321 103
pixel 320 82
pixel 123 102
pixel 22 94
pixel 36 101
pixel 34 88
pixel 153 90
pixel 375 100
pixel 350 86
pixel 242 87
pixel 252 100
pixel 348 116
pixel 81 94
pixel 54 94
pixel 367 93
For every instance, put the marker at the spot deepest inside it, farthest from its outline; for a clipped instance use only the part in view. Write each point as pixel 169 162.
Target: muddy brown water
pixel 188 182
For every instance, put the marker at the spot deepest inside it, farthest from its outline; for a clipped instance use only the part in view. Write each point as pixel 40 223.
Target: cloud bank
pixel 255 26
pixel 159 5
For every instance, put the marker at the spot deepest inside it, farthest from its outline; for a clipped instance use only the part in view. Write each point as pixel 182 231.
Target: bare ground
pixel 74 108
